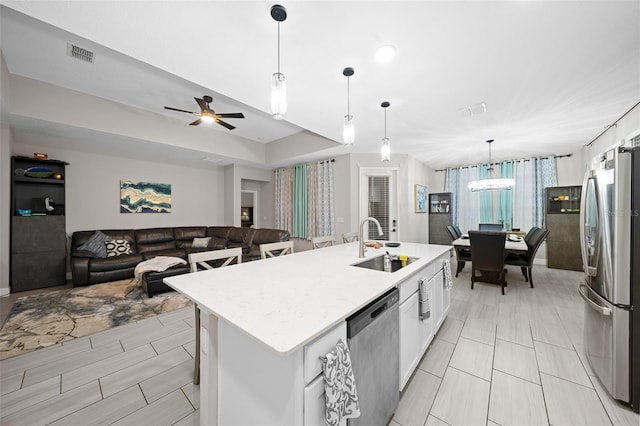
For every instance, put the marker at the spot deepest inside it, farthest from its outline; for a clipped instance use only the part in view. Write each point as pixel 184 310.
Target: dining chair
pixel 349 237
pixel 525 261
pixel 319 242
pixel 527 237
pixel 276 249
pixel 202 259
pixel 463 254
pixel 458 231
pixel 487 257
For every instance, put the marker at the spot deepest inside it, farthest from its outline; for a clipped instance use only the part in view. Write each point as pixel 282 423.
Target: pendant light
pixel 491 184
pixel 348 131
pixel 385 151
pixel 278 83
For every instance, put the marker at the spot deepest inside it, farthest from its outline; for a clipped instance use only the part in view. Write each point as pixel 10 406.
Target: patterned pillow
pixel 117 248
pixel 96 244
pixel 200 242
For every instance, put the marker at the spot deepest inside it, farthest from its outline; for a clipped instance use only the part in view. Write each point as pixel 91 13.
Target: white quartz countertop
pixel 286 302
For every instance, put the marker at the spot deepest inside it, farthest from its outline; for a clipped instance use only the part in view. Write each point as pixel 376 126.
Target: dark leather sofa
pixel 87 269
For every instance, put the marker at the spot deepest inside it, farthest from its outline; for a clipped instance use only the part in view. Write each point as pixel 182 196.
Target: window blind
pixel 379 206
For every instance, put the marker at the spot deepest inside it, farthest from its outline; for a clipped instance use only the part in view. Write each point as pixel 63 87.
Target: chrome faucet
pixel 360 232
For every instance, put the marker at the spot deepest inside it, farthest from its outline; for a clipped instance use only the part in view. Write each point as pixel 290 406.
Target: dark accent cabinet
pixel 38 235
pixel 439 218
pixel 562 219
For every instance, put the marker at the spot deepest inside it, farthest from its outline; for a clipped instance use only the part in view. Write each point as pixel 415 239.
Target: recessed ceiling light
pixel 385 53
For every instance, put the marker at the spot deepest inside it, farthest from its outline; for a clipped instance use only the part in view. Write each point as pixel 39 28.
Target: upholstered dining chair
pixel 458 231
pixel 463 254
pixel 349 237
pixel 525 261
pixel 276 249
pixel 319 242
pixel 530 232
pixel 487 257
pixel 227 256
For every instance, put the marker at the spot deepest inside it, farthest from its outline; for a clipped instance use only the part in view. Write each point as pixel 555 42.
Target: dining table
pixel 510 246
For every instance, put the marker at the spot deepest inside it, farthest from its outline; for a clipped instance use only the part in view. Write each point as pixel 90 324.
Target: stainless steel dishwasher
pixel 374 344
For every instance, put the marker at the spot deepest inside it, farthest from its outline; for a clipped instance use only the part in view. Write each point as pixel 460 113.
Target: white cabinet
pixel 416 334
pixel 281 389
pixel 409 338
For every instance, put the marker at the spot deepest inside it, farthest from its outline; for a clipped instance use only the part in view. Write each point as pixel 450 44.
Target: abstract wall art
pixel 145 197
pixel 420 198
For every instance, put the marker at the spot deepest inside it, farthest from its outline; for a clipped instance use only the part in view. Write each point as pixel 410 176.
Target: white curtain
pixel 284 199
pixel 523 194
pixel 326 223
pixel 468 202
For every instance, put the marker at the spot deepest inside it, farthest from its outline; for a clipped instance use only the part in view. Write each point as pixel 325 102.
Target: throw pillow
pixel 117 248
pixel 96 244
pixel 200 242
pixel 217 243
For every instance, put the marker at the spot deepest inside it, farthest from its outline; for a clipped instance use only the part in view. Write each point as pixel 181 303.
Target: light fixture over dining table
pixel 278 82
pixel 491 183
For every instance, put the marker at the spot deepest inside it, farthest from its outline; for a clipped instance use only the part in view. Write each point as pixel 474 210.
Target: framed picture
pixel 145 197
pixel 421 198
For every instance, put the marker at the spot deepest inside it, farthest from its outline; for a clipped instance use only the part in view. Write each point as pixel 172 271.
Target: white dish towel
pixel 446 267
pixel 424 301
pixel 339 385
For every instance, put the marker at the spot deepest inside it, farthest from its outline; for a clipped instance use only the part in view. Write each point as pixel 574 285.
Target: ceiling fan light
pixel 207 118
pixel 385 150
pixel 348 131
pixel 278 96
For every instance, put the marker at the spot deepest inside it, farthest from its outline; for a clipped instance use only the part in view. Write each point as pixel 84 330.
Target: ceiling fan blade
pixel 195 123
pixel 231 115
pixel 181 110
pixel 202 104
pixel 227 125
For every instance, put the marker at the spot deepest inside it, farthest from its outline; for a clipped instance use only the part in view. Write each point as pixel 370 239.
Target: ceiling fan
pixel 207 115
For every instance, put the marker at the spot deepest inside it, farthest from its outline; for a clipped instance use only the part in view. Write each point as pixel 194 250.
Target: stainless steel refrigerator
pixel 610 239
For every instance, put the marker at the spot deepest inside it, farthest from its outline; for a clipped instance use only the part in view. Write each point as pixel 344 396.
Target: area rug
pixel 47 319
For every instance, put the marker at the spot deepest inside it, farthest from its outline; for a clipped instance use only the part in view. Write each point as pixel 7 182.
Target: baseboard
pixel 4 292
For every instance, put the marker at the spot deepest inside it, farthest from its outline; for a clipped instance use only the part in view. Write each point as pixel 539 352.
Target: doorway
pixel 249 214
pixel 379 199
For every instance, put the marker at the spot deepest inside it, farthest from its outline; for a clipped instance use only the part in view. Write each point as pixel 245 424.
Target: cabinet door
pixel 314 404
pixel 409 338
pixel 446 298
pixel 426 325
pixel 437 310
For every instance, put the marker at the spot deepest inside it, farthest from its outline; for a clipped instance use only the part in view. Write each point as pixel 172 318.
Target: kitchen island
pixel 264 324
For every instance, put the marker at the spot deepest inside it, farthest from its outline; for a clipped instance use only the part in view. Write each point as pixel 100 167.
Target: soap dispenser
pixel 387 263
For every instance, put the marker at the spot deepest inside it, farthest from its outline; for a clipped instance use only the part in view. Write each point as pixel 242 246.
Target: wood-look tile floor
pixel 516 359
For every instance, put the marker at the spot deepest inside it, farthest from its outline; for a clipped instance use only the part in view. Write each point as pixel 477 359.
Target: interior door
pixel 379 199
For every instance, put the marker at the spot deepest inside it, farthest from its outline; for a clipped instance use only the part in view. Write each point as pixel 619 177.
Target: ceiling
pixel 552 74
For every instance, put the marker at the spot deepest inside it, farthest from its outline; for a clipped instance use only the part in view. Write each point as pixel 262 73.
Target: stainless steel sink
pixel 377 263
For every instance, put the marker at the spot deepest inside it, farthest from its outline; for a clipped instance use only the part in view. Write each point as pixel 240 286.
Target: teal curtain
pixel 300 201
pixel 505 198
pixel 486 197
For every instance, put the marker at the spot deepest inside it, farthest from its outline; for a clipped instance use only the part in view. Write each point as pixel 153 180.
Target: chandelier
pixel 491 184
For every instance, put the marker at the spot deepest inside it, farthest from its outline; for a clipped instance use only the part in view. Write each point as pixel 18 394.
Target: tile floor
pixel 497 360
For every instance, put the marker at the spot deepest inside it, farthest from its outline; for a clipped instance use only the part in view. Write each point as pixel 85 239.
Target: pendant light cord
pixel 278 47
pixel 385 123
pixel 348 105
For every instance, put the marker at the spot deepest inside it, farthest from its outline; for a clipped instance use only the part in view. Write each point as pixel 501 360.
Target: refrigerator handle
pixel 586 239
pixel 603 310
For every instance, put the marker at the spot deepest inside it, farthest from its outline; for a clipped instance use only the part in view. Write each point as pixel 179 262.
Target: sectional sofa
pixel 91 267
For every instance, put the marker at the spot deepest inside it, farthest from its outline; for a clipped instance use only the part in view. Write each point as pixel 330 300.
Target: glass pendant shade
pixel 385 151
pixel 278 96
pixel 348 131
pixel 491 184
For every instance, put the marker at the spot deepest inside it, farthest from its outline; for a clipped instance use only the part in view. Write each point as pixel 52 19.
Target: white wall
pixel 5 209
pixel 93 191
pixel 627 126
pixel 413 227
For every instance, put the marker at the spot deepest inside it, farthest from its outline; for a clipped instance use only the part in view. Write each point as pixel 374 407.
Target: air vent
pixel 79 53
